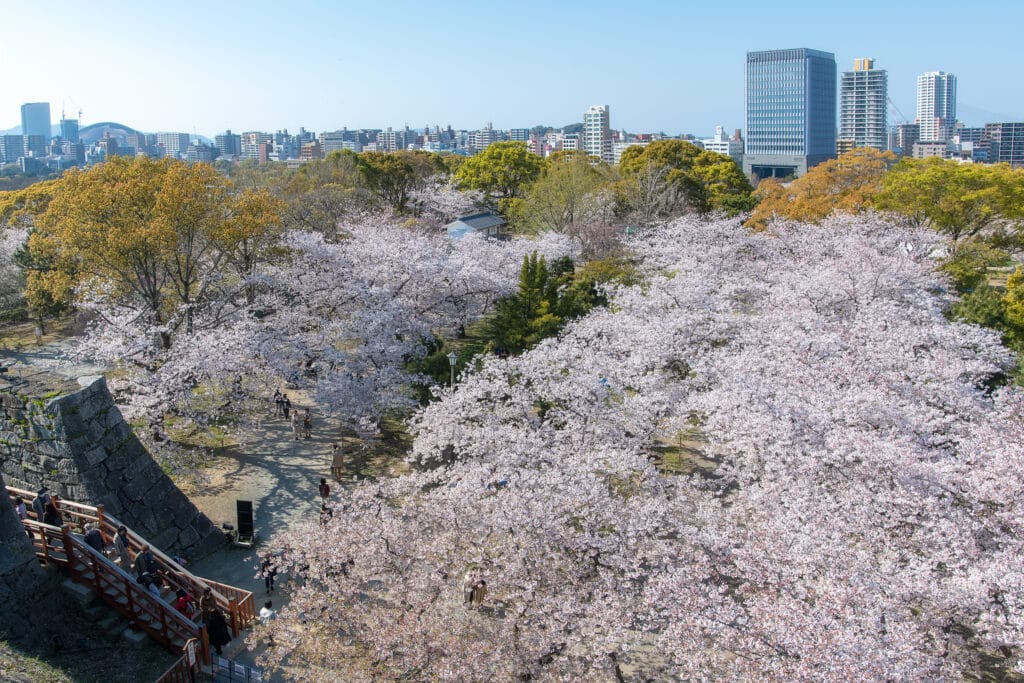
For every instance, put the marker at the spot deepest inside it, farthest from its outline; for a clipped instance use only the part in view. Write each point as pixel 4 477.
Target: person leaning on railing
pixel 121 547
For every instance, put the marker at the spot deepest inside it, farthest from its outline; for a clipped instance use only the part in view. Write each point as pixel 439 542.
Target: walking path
pixel 280 476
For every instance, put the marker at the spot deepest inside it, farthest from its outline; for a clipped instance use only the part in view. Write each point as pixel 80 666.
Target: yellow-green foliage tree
pixel 391 176
pixel 504 170
pixel 847 184
pixel 152 235
pixel 682 175
pixel 564 196
pixel 957 200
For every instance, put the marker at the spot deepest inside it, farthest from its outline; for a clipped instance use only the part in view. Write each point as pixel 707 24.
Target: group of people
pixel 302 424
pixel 145 565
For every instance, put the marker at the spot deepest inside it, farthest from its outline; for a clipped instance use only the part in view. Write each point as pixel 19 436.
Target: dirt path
pixel 280 476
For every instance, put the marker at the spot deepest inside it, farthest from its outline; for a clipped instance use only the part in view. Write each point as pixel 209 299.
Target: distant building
pixel 790 111
pixel 1006 142
pixel 197 151
pixel 140 141
pixel 519 134
pixel 936 106
pixel 863 106
pixel 902 138
pixel 570 142
pixel 34 145
pixel 483 138
pixel 228 144
pixel 250 145
pixel 486 224
pixel 12 147
pixel 35 120
pixel 69 130
pixel 723 144
pixel 924 149
pixel 311 150
pixel 174 145
pixel 108 145
pixel 597 134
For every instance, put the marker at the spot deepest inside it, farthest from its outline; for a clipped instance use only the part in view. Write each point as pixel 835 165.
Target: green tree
pixel 685 176
pixel 504 170
pixel 957 200
pixel 391 176
pixel 564 196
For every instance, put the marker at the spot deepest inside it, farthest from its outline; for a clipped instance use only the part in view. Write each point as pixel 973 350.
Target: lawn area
pixel 21 335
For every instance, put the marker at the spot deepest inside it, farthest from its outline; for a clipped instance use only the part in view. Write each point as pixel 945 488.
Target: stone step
pixel 81 594
pixel 134 637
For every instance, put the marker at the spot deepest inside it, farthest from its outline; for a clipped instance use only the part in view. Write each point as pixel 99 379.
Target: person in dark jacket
pixel 94 538
pixel 217 630
pixel 52 515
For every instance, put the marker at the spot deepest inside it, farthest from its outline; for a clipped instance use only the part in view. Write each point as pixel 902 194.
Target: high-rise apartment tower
pixel 936 106
pixel 35 119
pixel 597 133
pixel 863 106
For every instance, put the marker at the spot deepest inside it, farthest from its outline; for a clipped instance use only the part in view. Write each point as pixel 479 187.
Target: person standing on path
pixel 325 491
pixel 286 405
pixel 296 425
pixel 307 424
pixel 278 402
pixel 269 571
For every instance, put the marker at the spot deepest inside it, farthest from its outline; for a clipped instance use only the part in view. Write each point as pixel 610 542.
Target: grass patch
pixel 377 458
pixel 684 453
pixel 22 335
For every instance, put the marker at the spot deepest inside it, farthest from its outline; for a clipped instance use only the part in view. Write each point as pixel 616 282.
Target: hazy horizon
pixel 660 67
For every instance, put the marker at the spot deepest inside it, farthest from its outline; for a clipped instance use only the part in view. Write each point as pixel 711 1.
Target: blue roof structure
pixel 486 223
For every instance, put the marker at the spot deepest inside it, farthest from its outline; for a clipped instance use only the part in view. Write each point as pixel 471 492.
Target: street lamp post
pixel 452 358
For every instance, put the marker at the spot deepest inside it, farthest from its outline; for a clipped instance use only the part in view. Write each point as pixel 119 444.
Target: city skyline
pixel 659 67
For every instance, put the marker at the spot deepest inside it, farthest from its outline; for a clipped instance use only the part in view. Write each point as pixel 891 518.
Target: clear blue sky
pixel 672 66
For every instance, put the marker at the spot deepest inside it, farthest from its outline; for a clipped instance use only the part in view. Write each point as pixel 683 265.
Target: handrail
pixel 239 604
pixel 185 669
pixel 146 610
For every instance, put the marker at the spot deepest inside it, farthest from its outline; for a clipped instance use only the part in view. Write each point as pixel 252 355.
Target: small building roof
pixel 479 222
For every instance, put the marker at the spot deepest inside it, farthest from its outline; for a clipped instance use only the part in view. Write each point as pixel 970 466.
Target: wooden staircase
pixel 64 547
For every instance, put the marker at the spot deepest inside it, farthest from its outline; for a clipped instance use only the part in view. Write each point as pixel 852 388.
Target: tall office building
pixel 791 111
pixel 936 106
pixel 597 133
pixel 35 119
pixel 11 148
pixel 863 105
pixel 69 130
pixel 1006 143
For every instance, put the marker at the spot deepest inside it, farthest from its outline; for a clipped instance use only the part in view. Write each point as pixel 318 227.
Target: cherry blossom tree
pixel 861 522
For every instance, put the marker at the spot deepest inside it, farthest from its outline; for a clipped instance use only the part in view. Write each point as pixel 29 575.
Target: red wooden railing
pixel 113 584
pixel 186 669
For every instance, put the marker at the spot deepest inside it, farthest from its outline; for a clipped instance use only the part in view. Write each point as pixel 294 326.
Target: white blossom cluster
pixel 862 520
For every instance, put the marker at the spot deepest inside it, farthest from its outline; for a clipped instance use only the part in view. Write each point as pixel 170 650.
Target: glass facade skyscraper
pixel 35 119
pixel 791 111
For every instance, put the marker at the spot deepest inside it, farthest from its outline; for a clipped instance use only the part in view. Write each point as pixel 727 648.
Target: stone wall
pixel 70 437
pixel 22 580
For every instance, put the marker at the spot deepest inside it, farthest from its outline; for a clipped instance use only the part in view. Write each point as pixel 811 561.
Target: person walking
pixel 145 563
pixel 52 514
pixel 217 629
pixel 207 603
pixel 269 571
pixel 122 546
pixel 267 612
pixel 286 405
pixel 278 401
pixel 307 424
pixel 326 514
pixel 296 424
pixel 324 490
pixel 94 537
pixel 20 508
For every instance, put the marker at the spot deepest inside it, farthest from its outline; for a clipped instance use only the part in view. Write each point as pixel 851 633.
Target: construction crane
pixel 903 118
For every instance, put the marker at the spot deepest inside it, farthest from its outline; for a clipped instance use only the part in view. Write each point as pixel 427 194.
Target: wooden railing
pixel 237 603
pixel 186 669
